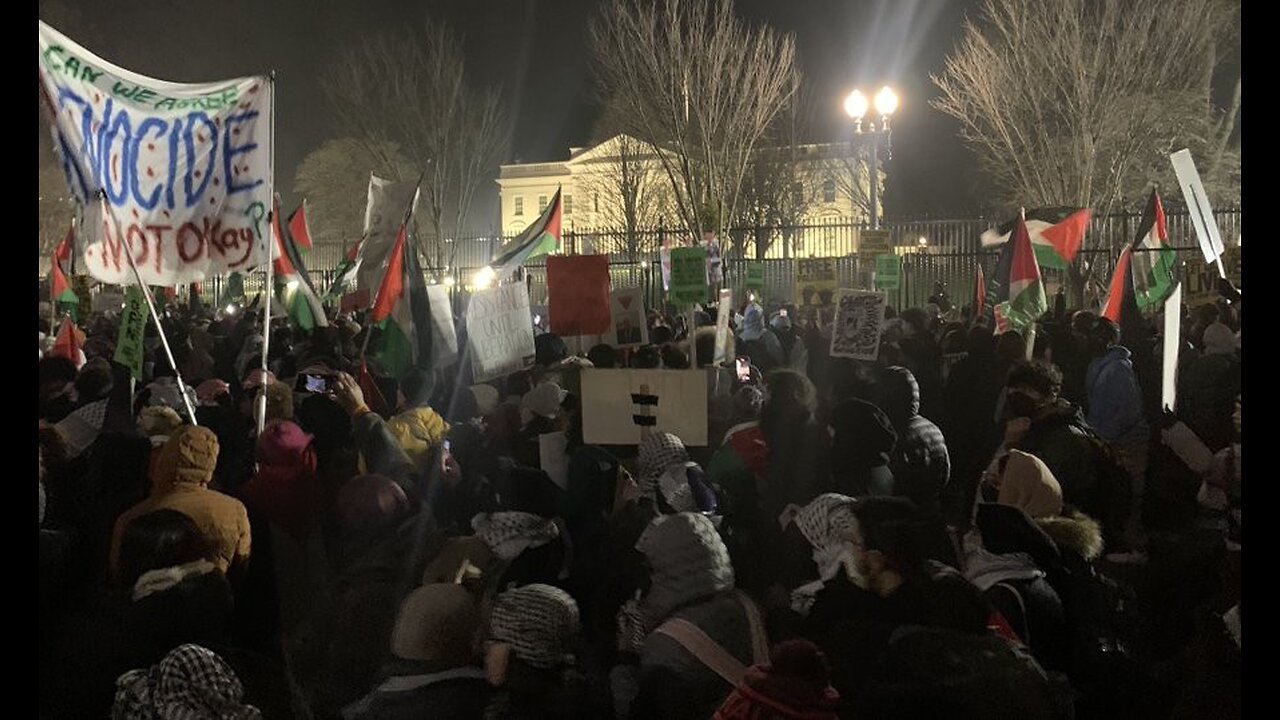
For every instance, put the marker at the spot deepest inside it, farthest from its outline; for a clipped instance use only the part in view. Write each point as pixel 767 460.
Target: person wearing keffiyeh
pixel 658 452
pixel 190 682
pixel 529 659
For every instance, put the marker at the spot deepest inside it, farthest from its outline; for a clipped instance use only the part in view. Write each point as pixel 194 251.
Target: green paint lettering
pixel 72 67
pixel 166 104
pixel 50 59
pixel 88 73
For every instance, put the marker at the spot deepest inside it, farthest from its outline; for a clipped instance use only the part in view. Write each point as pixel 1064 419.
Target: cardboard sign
pixel 629 325
pixel 444 336
pixel 688 275
pixel 1200 279
pixel 500 331
pixel 722 326
pixel 578 293
pixel 858 325
pixel 622 407
pixel 816 281
pixel 874 242
pixel 129 348
pixel 888 272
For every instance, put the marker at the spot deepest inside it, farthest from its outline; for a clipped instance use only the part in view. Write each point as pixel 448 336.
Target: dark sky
pixel 536 50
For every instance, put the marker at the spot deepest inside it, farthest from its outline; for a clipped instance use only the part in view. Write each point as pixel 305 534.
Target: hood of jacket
pixel 188 458
pixel 899 394
pixel 863 434
pixel 1076 532
pixel 1116 354
pixel 418 430
pixel 688 561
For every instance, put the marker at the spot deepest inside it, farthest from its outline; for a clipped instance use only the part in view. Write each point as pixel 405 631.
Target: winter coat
pixel 862 442
pixel 920 463
pixel 1207 389
pixel 420 431
pixel 1061 438
pixel 412 689
pixel 1115 400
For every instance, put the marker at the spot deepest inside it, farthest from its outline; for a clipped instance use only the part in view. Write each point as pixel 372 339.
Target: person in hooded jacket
pixel 758 342
pixel 418 427
pixel 862 441
pixel 920 463
pixel 1208 386
pixel 973 390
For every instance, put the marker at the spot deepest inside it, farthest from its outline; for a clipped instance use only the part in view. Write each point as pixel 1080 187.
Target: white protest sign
pixel 629 326
pixel 384 213
pixel 176 174
pixel 621 407
pixel 1197 205
pixel 444 336
pixel 723 310
pixel 500 331
pixel 552 457
pixel 858 324
pixel 1172 342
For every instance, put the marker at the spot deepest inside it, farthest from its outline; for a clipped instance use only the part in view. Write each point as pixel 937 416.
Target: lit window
pixel 542 203
pixel 829 191
pixel 519 206
pixel 568 204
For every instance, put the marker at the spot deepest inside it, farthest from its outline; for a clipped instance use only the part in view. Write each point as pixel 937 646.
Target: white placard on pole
pixel 1172 342
pixel 1198 206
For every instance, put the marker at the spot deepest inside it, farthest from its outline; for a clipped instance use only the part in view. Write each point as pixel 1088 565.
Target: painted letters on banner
pixel 383 214
pixel 444 338
pixel 621 407
pixel 179 175
pixel 500 331
pixel 629 325
pixel 578 293
pixel 859 323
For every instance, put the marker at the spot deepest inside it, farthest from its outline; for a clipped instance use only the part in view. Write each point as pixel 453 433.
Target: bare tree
pixel 1074 102
pixel 700 86
pixel 334 179
pixel 407 89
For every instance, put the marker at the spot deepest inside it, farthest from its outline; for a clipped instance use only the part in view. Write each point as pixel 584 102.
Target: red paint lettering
pixel 246 234
pixel 185 251
pixel 129 234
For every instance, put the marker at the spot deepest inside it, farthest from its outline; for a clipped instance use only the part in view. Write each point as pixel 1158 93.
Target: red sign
pixel 578 292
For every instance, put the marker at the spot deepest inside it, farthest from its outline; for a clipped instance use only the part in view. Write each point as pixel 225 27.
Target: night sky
pixel 536 50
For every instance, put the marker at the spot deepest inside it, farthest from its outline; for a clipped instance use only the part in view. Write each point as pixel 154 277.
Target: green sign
pixel 132 325
pixel 688 275
pixel 888 272
pixel 755 275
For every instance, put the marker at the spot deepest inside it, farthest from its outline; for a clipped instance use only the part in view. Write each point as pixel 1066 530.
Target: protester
pixel 920 463
pixel 418 427
pixel 529 655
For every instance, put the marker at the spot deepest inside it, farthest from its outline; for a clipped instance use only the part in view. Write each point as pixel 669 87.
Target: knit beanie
pixel 189 457
pixel 688 561
pixel 542 401
pixel 437 622
pixel 795 685
pixel 158 420
pixel 284 443
pixel 190 682
pixel 539 622
pixel 1029 484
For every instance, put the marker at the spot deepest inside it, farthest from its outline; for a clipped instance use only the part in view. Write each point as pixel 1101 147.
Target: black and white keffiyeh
pixel 657 453
pixel 539 622
pixel 190 683
pixel 79 429
pixel 828 523
pixel 510 533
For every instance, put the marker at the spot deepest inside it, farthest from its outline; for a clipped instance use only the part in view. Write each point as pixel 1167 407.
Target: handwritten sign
pixel 1200 279
pixel 888 272
pixel 858 325
pixel 177 175
pixel 578 293
pixel 816 281
pixel 500 331
pixel 621 407
pixel 723 311
pixel 384 212
pixel 688 275
pixel 629 326
pixel 755 275
pixel 874 242
pixel 132 326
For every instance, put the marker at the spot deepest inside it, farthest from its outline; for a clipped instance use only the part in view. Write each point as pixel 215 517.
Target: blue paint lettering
pixel 113 167
pixel 230 151
pixel 149 202
pixel 189 136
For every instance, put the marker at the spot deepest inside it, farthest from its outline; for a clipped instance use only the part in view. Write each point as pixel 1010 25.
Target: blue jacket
pixel 1115 400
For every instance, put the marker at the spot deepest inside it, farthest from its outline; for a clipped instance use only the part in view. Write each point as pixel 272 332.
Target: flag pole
pixel 271 220
pixel 146 293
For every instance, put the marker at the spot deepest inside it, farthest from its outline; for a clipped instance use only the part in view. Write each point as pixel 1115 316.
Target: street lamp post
pixel 856 105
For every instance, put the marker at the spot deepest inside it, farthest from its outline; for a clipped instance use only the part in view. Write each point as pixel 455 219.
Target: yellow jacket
pixel 419 431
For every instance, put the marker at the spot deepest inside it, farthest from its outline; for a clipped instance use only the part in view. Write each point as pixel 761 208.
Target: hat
pixel 190 682
pixel 688 561
pixel 486 398
pixel 549 349
pixel 284 443
pixel 1029 484
pixel 208 392
pixel 279 401
pixel 539 622
pixel 542 401
pixel 189 457
pixel 1219 340
pixel 795 684
pixel 258 378
pixel 752 323
pixel 508 534
pixel 436 622
pixel 658 452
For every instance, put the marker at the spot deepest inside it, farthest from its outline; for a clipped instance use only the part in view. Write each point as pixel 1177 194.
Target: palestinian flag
pixel 540 238
pixel 298 228
pixel 293 285
pixel 403 311
pixel 1121 288
pixel 58 282
pixel 1154 271
pixel 346 272
pixel 1026 301
pixel 1056 234
pixel 68 342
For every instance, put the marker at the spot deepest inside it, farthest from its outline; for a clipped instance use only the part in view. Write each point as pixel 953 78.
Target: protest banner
pixel 629 326
pixel 621 407
pixel 816 281
pixel 578 294
pixel 500 331
pixel 444 336
pixel 1200 279
pixel 389 205
pixel 185 169
pixel 888 272
pixel 858 324
pixel 755 275
pixel 552 457
pixel 723 311
pixel 688 275
pixel 132 326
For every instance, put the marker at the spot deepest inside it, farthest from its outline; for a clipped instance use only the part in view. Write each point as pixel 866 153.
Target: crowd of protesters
pixel 954 531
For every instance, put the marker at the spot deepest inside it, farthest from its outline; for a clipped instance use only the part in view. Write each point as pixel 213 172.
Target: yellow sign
pixel 1200 280
pixel 816 281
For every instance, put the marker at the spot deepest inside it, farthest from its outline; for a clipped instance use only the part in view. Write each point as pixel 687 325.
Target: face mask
pixel 1021 405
